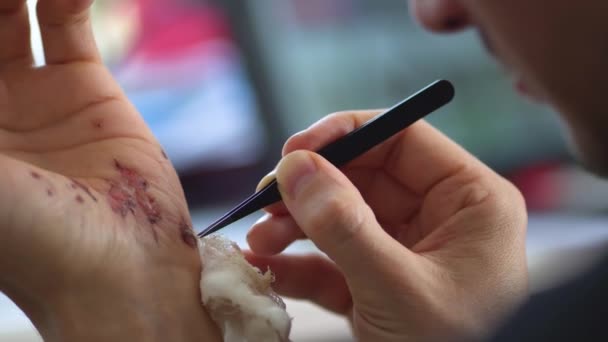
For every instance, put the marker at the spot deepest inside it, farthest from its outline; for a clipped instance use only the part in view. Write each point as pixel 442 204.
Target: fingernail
pixel 266 180
pixel 294 171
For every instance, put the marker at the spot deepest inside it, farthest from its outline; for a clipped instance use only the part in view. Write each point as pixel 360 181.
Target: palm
pixel 91 210
pixel 84 177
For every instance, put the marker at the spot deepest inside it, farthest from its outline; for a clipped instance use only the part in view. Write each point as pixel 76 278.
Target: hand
pixel 425 242
pixel 95 235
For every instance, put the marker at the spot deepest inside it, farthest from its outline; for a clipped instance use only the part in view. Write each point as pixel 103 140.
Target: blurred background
pixel 223 83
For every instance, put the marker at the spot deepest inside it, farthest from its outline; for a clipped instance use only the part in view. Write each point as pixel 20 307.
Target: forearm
pixel 165 312
pixel 126 322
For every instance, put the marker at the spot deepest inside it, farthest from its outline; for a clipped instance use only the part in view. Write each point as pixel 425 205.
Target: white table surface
pixel 554 246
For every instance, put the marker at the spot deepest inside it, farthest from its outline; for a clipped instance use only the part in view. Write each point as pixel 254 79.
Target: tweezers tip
pixel 203 233
pixel 215 226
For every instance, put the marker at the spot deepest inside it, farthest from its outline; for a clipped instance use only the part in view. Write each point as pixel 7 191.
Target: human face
pixel 556 50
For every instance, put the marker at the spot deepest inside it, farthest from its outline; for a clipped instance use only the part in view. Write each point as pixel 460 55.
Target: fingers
pixel 327 130
pixel 14 34
pixel 318 135
pixel 66 31
pixel 272 234
pixel 332 213
pixel 418 158
pixel 65 26
pixel 277 209
pixel 326 288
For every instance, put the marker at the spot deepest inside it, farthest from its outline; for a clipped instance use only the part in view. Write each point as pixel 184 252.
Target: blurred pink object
pixel 170 28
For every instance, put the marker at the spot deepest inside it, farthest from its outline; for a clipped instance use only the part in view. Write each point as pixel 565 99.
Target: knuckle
pixel 494 195
pixel 507 204
pixel 328 128
pixel 344 122
pixel 292 142
pixel 476 192
pixel 516 202
pixel 340 115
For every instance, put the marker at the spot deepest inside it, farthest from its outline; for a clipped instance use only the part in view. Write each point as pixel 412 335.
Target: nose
pixel 443 16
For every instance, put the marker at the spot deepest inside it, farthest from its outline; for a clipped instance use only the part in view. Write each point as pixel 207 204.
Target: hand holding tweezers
pixel 352 145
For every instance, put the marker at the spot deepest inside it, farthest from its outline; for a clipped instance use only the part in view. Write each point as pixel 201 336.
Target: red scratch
pixel 187 235
pixel 77 185
pixel 97 123
pixel 130 193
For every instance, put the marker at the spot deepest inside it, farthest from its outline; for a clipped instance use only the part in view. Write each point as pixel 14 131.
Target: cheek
pixel 516 33
pixel 531 40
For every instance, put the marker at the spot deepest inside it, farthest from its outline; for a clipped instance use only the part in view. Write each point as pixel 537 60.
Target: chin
pixel 528 89
pixel 598 167
pixel 591 151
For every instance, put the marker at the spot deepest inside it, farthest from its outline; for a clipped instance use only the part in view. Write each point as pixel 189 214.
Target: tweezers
pixel 352 145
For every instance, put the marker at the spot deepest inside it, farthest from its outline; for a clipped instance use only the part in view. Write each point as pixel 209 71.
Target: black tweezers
pixel 352 145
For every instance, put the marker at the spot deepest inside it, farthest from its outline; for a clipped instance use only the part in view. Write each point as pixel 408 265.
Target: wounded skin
pixel 239 296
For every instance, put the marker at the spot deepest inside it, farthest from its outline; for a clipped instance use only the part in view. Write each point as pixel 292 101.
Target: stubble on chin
pixel 589 145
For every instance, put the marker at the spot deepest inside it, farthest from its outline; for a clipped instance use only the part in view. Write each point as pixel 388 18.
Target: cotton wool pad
pixel 238 296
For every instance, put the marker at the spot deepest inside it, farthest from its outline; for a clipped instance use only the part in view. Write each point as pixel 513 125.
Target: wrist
pixel 162 310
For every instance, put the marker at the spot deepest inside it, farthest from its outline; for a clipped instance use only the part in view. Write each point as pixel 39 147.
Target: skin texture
pixel 96 240
pixel 424 241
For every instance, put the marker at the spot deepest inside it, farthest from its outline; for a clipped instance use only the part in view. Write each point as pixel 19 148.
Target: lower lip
pixel 522 88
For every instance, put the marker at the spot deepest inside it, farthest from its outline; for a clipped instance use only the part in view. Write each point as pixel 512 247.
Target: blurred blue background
pixel 223 83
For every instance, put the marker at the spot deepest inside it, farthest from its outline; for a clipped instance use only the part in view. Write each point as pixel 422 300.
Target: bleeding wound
pixel 129 194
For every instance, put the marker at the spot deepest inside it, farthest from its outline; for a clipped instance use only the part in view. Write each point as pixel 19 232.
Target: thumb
pixel 332 213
